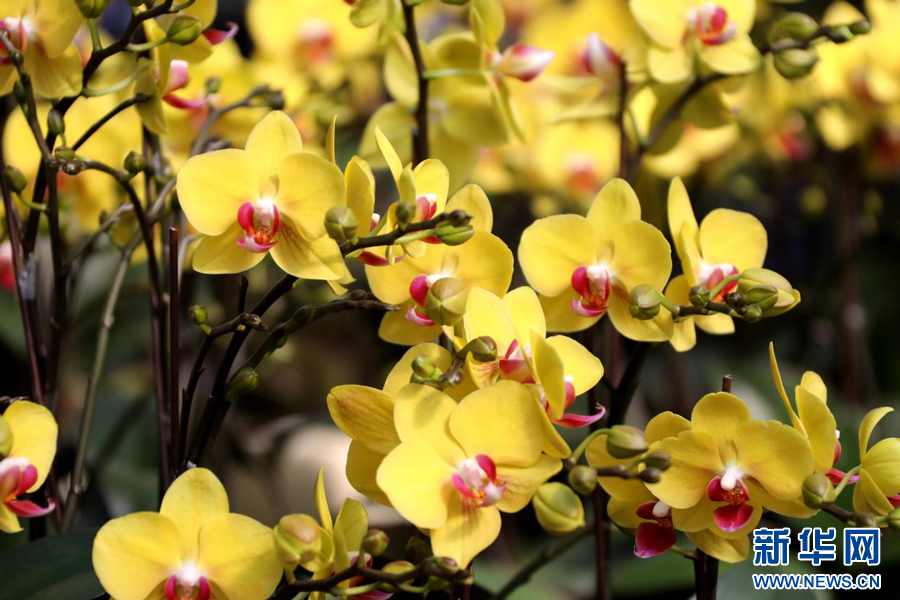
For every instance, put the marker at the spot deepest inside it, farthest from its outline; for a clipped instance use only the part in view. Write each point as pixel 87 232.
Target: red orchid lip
pixel 218 36
pixel 652 539
pixel 732 517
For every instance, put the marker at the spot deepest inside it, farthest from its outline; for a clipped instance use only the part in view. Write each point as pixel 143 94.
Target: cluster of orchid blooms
pixel 465 426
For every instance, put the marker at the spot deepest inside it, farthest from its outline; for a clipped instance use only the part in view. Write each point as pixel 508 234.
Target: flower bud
pixel 753 314
pixel 15 179
pixel 397 567
pixel 198 314
pixel 424 368
pixel 795 63
pixel 600 60
pixel 6 437
pixel 417 550
pixel 452 235
pixel 817 491
pixel 658 459
pixel 341 224
pixel 298 539
pixel 446 301
pixel 841 34
pixel 625 441
pixel 459 218
pixel 893 519
pixel 524 62
pixel 91 9
pixel 213 85
pixel 797 26
pixel 735 300
pixel 644 302
pixel 375 542
pixel 483 349
pixel 404 213
pixel 860 27
pixel 184 30
pixel 134 162
pixel 55 122
pixel 787 299
pixel 558 509
pixel 446 564
pixel 583 479
pixel 275 100
pixel 650 475
pixel 865 519
pixel 765 296
pixel 244 381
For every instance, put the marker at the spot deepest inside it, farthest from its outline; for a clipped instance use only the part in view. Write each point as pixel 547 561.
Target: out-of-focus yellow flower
pixel 269 197
pixel 202 47
pixel 192 548
pixel 688 35
pixel 43 32
pixel 459 465
pixel 878 489
pixel 28 435
pixel 586 266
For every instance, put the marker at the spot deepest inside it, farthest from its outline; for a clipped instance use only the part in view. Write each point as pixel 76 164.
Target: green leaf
pixel 54 568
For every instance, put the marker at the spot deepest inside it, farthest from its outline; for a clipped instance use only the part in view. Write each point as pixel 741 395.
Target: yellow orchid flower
pixel 202 48
pixel 723 245
pixel 28 435
pixel 459 465
pixel 43 31
pixel 634 508
pixel 878 489
pixel 366 415
pixel 270 197
pixel 728 457
pixel 193 545
pixel 691 34
pixel 586 266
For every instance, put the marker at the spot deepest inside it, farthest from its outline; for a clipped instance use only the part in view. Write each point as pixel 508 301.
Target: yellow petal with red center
pixel 273 139
pixel 776 455
pixel 579 363
pixel 483 261
pixel 418 483
pixel 820 428
pixel 213 186
pixel 727 550
pixel 657 329
pixel 390 155
pixel 623 489
pixel 550 374
pixel 522 483
pixel 9 522
pixel 664 22
pixel 34 434
pixel 474 115
pixel 350 527
pixel 362 465
pixel 238 557
pixel 422 412
pixel 665 425
pixel 395 328
pixel 684 333
pixel 868 497
pixel 54 77
pixel 489 315
pixel 741 12
pixel 400 375
pixel 308 187
pixel 360 184
pixel 432 177
pixel 136 553
pixel 732 237
pixel 812 383
pixel 467 531
pixel 221 254
pixel 366 415
pixel 560 316
pixel 502 421
pixel 191 501
pixel 680 211
pixel 391 283
pixel 320 259
pixel 642 256
pixel 669 66
pixel 882 463
pixel 624 512
pixel 719 415
pixel 552 248
pixel 615 205
pixel 473 201
pixel 695 462
pixel 868 424
pixel 738 56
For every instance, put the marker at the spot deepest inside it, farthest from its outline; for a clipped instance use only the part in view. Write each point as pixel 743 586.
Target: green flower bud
pixel 841 34
pixel 817 491
pixel 787 299
pixel 699 295
pixel 860 27
pixel 17 59
pixel 795 63
pixel 65 153
pixel 753 314
pixel 650 475
pixel 6 437
pixel 446 301
pixel 398 567
pixel 244 381
pixel 184 30
pixel 213 85
pixel 735 300
pixel 298 538
pixel 15 179
pixel 341 224
pixel 417 550
pixel 459 218
pixel 644 302
pixel 558 509
pixel 424 368
pixel 765 296
pixel 55 122
pixel 797 26
pixel 404 213
pixel 276 100
pixel 893 519
pixel 658 460
pixel 446 564
pixel 865 519
pixel 583 479
pixel 375 542
pixel 625 441
pixel 91 9
pixel 198 314
pixel 483 349
pixel 453 235
pixel 134 162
